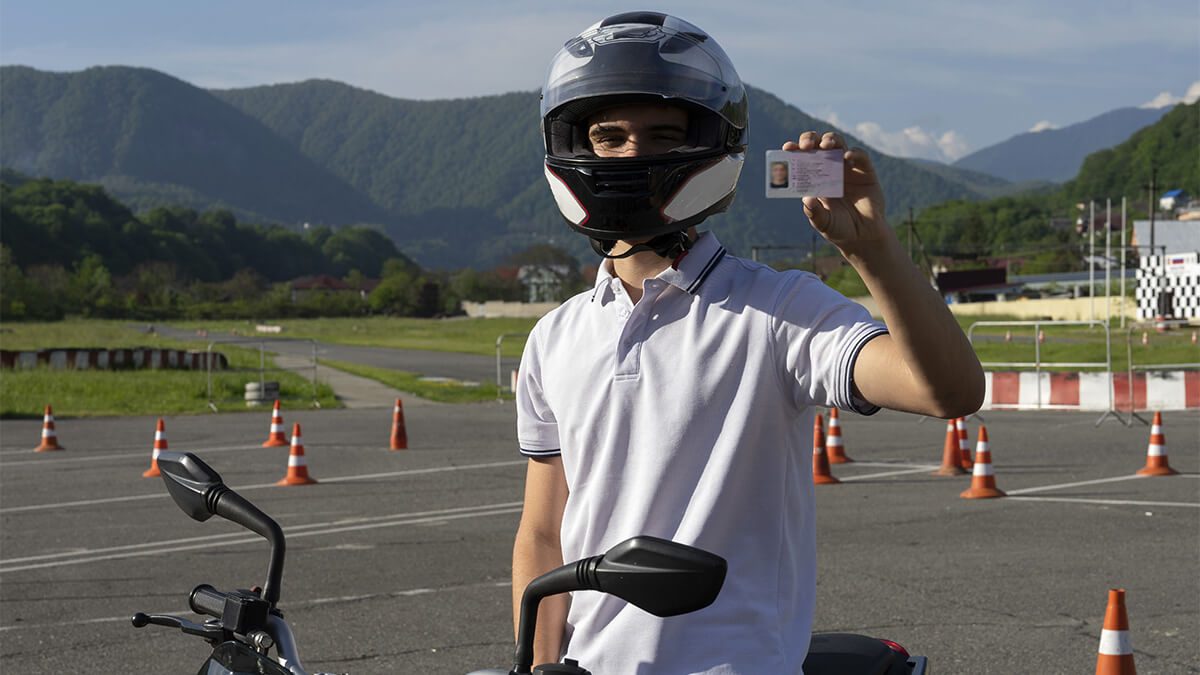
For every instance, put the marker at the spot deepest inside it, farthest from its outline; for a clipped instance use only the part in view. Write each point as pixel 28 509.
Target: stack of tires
pixel 261 393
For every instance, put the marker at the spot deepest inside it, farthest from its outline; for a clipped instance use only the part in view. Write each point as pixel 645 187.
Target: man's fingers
pixel 858 161
pixel 817 214
pixel 832 141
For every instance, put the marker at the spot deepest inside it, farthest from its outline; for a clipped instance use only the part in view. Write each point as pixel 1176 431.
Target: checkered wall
pixel 1178 273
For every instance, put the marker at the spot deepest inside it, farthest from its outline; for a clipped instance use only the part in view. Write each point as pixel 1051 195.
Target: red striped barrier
pixel 91 359
pixel 1152 390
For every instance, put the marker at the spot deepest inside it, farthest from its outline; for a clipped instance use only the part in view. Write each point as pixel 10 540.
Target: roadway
pixel 398 561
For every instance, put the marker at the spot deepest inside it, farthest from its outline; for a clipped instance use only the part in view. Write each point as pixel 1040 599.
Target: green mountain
pixel 1171 146
pixel 455 183
pixel 154 140
pixel 1055 154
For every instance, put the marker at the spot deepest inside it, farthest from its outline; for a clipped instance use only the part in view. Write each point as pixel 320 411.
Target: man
pixel 676 397
pixel 779 174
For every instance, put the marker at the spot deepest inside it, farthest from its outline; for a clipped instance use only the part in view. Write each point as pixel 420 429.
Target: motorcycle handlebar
pixel 205 599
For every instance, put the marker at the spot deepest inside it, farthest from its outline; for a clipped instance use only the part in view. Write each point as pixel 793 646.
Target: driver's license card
pixel 805 173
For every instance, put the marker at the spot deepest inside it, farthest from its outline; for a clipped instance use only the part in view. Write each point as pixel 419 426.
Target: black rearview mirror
pixel 662 577
pixel 189 481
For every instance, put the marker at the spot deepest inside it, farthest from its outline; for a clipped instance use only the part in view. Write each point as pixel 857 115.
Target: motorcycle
pixel 662 577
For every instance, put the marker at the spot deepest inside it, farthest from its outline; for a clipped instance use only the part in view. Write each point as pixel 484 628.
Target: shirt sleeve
pixel 818 334
pixel 537 428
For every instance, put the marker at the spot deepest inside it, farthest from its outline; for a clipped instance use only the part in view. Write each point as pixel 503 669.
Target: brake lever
pixel 208 631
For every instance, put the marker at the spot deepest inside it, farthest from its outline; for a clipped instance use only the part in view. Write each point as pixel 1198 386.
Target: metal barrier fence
pixel 1037 364
pixel 499 374
pixel 1160 324
pixel 262 369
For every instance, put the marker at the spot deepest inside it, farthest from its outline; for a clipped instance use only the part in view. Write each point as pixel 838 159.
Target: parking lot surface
pixel 398 561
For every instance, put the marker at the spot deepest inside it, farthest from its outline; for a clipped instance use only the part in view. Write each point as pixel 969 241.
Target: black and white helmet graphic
pixel 634 58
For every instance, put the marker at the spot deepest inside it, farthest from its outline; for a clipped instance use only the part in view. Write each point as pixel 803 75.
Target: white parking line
pixel 336 479
pixel 900 472
pixel 75 458
pixel 87 556
pixel 1062 486
pixel 292 605
pixel 1106 502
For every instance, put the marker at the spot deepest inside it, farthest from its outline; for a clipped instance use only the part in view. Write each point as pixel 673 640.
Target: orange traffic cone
pixel 297 471
pixel 821 473
pixel 951 454
pixel 964 442
pixel 1156 453
pixel 983 481
pixel 399 435
pixel 1116 650
pixel 834 445
pixel 49 437
pixel 160 444
pixel 277 437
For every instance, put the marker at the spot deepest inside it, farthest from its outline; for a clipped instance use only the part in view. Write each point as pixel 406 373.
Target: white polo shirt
pixel 688 416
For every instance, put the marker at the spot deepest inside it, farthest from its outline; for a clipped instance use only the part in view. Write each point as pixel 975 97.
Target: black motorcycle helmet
pixel 631 58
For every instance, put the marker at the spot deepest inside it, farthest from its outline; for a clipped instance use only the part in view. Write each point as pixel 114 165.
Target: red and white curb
pixel 1153 390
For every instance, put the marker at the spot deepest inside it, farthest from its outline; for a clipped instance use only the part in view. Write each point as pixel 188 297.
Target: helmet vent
pixel 622 180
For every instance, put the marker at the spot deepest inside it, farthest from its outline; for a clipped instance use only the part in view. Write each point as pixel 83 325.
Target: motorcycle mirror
pixel 659 576
pixel 190 482
pixel 662 577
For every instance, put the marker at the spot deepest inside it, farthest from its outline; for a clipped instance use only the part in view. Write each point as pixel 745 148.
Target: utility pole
pixel 1092 259
pixel 1123 247
pixel 1153 190
pixel 910 232
pixel 1107 258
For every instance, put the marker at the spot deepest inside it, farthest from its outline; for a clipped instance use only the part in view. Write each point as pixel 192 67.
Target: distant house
pixel 990 283
pixel 543 283
pixel 1172 200
pixel 323 284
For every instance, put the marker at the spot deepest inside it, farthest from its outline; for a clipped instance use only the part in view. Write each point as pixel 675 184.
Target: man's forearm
pixel 935 357
pixel 532 557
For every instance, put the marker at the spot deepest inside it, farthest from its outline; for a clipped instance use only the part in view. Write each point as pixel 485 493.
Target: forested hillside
pixel 1171 147
pixel 455 183
pixel 1023 227
pixel 1055 154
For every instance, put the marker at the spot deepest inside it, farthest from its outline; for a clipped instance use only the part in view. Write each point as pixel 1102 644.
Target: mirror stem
pixel 576 576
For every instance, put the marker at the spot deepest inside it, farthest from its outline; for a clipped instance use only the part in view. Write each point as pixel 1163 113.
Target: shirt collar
pixel 693 269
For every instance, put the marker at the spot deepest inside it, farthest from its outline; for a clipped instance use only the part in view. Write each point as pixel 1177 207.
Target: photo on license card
pixel 805 173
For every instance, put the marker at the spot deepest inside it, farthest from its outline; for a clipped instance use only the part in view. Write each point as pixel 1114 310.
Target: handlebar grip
pixel 207 600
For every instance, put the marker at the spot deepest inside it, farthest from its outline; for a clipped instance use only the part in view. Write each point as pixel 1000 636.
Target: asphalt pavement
pixel 398 561
pixel 463 367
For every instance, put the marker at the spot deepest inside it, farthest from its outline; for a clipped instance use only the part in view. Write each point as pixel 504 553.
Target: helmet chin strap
pixel 671 245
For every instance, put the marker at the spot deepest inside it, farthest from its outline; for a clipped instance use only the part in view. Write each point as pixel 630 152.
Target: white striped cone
pixel 835 445
pixel 49 435
pixel 821 475
pixel 399 439
pixel 277 437
pixel 160 444
pixel 297 471
pixel 1156 453
pixel 983 480
pixel 964 442
pixel 1116 649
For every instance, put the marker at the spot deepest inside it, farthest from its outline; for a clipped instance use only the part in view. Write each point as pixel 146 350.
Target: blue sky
pixel 924 78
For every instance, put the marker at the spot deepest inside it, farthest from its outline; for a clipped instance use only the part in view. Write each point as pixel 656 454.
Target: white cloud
pixel 914 142
pixel 1166 98
pixel 1044 125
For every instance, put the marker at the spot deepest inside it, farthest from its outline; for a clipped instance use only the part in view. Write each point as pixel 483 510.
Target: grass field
pixel 149 392
pixel 463 335
pixel 83 393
